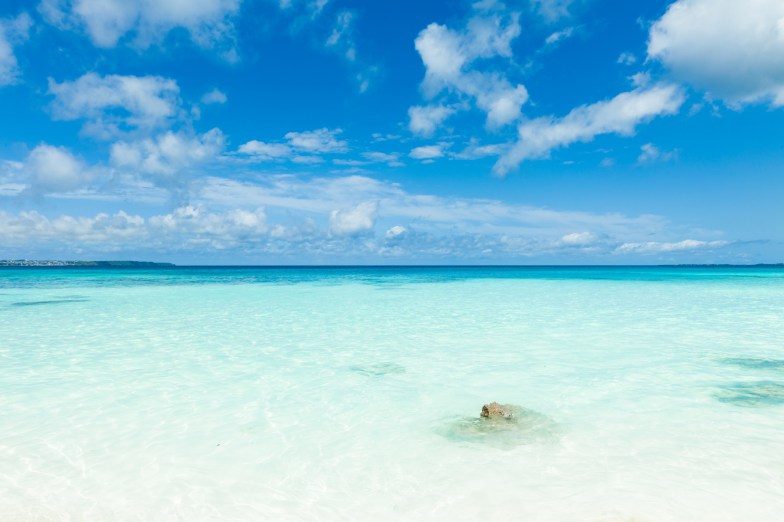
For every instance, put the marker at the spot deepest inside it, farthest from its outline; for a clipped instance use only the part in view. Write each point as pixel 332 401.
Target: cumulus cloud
pixel 220 228
pixel 300 147
pixel 654 247
pixel 55 169
pixel 361 218
pixel 321 195
pixel 427 152
pixel 265 151
pixel 578 238
pixel 13 31
pixel 619 115
pixel 297 215
pixel 214 96
pixel 424 120
pixel 390 158
pixel 113 104
pixel 395 232
pixel 452 58
pixel 185 227
pixel 640 79
pixel 168 153
pixel 317 141
pixel 108 231
pixel 733 50
pixel 147 22
pixel 552 10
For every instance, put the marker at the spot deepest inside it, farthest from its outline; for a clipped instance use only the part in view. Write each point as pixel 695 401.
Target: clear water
pixel 655 394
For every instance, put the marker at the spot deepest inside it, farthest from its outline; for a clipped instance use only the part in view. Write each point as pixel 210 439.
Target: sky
pixel 392 132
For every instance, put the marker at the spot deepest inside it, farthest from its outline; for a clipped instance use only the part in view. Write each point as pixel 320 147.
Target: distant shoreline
pixel 89 264
pixel 28 263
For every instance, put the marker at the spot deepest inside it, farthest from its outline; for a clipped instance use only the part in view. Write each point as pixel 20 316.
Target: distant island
pixel 96 264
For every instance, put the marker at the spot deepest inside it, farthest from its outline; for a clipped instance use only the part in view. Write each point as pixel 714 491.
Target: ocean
pixel 351 393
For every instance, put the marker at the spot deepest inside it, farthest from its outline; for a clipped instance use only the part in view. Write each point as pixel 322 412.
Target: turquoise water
pixel 648 394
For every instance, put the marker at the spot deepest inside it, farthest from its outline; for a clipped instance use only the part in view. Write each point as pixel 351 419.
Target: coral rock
pixel 494 410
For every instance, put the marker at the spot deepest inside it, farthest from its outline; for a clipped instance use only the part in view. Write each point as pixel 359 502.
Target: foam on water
pixel 217 394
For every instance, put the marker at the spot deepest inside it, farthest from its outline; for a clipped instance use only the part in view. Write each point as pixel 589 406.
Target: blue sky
pixel 339 131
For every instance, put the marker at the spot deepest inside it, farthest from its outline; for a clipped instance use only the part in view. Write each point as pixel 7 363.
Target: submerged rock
pixel 504 426
pixel 379 369
pixel 762 393
pixel 496 410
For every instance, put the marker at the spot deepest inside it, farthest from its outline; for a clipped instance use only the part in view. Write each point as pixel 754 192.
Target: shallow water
pixel 354 394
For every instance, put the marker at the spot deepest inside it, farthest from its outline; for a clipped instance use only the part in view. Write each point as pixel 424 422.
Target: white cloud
pixel 296 216
pixel 265 151
pixel 557 36
pixel 316 7
pixel 390 158
pixel 451 58
pixel 168 153
pixel 733 50
pixel 300 147
pixel 627 58
pixel 307 160
pixel 214 96
pixel 474 150
pixel 552 10
pixel 184 228
pixel 323 194
pixel 221 228
pixel 424 120
pixel 350 162
pixel 650 153
pixel 427 152
pixel 12 32
pixel 395 232
pixel 313 8
pixel 361 218
pixel 342 35
pixel 30 228
pixel 317 141
pixel 620 115
pixel 342 40
pixel 578 239
pixel 112 104
pixel 640 79
pixel 147 22
pixel 55 169
pixel 653 247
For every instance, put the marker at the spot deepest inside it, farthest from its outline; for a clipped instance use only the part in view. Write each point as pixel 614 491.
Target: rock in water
pixel 494 410
pixel 503 426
